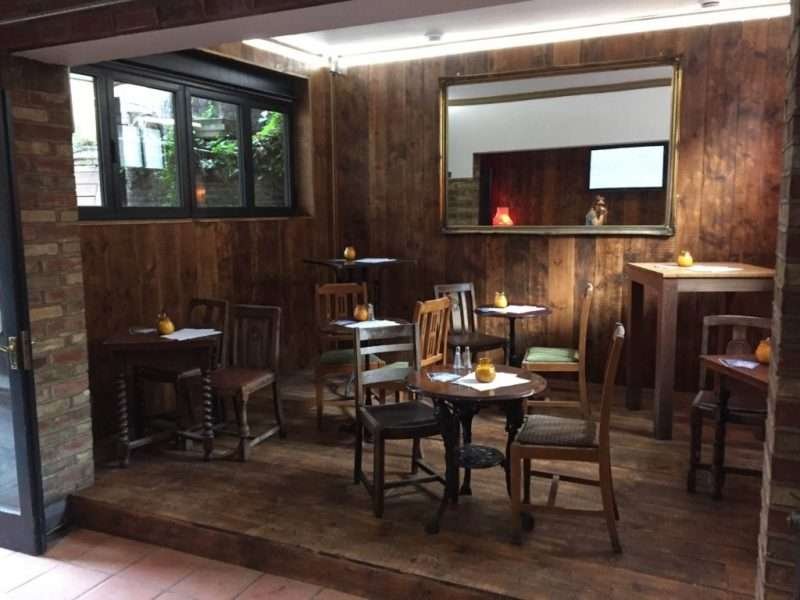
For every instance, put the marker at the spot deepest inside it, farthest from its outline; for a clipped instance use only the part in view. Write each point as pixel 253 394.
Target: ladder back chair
pixel 542 359
pixel 409 420
pixel 545 437
pixel 255 349
pixel 433 319
pixel 745 407
pixel 464 321
pixel 333 302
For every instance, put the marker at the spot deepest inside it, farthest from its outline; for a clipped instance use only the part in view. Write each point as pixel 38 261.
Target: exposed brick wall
pixel 121 19
pixel 781 484
pixel 42 130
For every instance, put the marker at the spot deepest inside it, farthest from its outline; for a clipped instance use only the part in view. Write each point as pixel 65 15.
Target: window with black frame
pixel 149 144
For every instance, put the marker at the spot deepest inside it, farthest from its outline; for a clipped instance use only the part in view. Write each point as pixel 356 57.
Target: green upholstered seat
pixel 341 356
pixel 540 354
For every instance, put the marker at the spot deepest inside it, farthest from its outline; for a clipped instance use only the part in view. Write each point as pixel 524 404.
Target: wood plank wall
pixel 132 270
pixel 386 149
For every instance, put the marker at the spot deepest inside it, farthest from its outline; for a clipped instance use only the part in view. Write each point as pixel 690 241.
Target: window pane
pixel 146 144
pixel 85 152
pixel 269 157
pixel 215 150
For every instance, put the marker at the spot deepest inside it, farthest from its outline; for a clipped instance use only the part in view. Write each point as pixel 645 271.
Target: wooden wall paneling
pixel 561 287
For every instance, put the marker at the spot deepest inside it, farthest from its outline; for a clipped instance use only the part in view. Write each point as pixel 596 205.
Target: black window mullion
pixel 183 150
pixel 246 159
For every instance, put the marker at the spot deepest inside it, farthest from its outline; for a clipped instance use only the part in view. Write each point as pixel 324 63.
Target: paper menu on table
pixel 187 333
pixel 375 260
pixel 513 309
pixel 738 363
pixel 501 380
pixel 372 324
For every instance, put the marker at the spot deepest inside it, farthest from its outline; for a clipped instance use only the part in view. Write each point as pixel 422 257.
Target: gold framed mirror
pixel 578 150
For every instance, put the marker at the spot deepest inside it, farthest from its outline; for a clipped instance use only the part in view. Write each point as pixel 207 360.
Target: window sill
pixel 106 222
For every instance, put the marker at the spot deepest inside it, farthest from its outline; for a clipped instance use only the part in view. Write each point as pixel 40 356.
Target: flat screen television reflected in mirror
pixel 628 167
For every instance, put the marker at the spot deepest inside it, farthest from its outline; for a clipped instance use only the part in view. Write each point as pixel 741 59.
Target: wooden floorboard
pixel 293 509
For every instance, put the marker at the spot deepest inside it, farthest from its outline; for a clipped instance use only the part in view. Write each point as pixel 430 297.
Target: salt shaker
pixel 467 359
pixel 457 359
pixel 370 312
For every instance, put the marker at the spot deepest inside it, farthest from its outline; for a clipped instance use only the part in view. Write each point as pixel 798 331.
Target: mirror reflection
pixel 589 150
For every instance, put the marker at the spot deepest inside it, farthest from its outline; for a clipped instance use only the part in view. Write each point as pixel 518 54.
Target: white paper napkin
pixel 371 324
pixel 514 309
pixel 500 381
pixel 188 333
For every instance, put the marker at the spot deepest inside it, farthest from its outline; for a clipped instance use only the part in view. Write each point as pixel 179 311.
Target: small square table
pixel 668 280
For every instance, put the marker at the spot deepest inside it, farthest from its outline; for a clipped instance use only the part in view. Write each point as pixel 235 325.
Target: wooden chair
pixel 394 421
pixel 545 437
pixel 333 302
pixel 433 319
pixel 565 360
pixel 744 407
pixel 255 345
pixel 464 323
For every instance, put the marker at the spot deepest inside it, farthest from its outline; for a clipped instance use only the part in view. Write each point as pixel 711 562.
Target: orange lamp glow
pixel 502 218
pixel 200 193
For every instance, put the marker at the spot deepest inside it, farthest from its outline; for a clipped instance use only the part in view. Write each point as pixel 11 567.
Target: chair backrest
pixel 583 325
pixel 740 326
pixel 462 305
pixel 433 319
pixel 403 339
pixel 255 336
pixel 612 365
pixel 211 313
pixel 335 301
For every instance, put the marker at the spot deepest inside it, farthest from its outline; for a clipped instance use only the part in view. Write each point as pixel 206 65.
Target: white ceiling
pixel 499 20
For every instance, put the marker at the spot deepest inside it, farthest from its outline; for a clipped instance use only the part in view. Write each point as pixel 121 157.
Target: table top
pixel 153 341
pixel 419 381
pixel 482 312
pixel 342 329
pixel 359 263
pixel 758 377
pixel 703 270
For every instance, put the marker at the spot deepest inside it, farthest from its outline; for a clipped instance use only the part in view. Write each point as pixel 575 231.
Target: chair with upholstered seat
pixel 745 407
pixel 551 438
pixel 464 323
pixel 565 360
pixel 255 346
pixel 410 420
pixel 433 319
pixel 334 301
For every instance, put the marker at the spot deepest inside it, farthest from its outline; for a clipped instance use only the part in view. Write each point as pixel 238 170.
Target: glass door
pixel 21 512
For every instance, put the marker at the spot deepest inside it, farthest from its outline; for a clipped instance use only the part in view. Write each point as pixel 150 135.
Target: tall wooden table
pixel 668 280
pixel 358 271
pixel 129 351
pixel 757 378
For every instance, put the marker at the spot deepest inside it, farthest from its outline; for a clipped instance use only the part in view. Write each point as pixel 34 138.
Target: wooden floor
pixel 293 510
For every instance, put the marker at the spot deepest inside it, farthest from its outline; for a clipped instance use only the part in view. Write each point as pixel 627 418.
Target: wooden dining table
pixel 668 280
pixel 455 406
pixel 756 378
pixel 132 350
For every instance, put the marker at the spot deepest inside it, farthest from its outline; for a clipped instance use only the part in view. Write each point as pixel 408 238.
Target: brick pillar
pixel 45 193
pixel 781 483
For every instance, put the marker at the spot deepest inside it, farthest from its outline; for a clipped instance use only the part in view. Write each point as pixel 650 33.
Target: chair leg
pixel 515 466
pixel 279 416
pixel 718 463
pixel 610 478
pixel 378 477
pixel 244 427
pixel 416 454
pixel 526 463
pixel 318 393
pixel 607 493
pixel 583 391
pixel 359 450
pixel 695 448
pixel 507 353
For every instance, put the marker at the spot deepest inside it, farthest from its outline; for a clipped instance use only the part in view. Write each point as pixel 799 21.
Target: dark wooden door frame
pixel 24 532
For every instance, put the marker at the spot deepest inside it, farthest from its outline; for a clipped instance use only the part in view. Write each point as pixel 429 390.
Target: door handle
pixel 11 350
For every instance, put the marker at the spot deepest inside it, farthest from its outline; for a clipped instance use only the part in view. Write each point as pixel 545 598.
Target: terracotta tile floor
pixel 95 566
